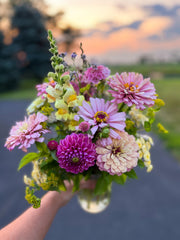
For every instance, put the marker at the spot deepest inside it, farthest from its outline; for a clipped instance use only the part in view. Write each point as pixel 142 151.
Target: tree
pixel 9 74
pixel 31 44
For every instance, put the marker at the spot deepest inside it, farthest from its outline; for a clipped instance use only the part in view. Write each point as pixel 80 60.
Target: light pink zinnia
pixel 96 73
pixel 131 88
pixel 100 114
pixel 25 133
pixel 118 157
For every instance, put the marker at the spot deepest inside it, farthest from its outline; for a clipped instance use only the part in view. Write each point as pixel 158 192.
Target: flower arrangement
pixel 96 119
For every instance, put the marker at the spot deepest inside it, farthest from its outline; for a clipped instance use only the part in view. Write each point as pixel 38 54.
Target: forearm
pixel 34 223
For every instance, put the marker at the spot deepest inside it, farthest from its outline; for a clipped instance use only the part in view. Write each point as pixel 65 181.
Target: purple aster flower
pixel 131 88
pixel 100 114
pixel 76 153
pixel 73 55
pixel 96 73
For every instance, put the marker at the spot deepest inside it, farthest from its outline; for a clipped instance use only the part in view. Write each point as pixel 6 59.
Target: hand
pixel 64 197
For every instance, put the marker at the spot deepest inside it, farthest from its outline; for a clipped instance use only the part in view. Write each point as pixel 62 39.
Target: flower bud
pixel 52 145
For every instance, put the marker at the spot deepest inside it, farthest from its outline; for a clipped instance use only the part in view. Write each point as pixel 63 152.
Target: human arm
pixel 33 224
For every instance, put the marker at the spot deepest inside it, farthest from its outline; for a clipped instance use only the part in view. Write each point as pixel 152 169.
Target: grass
pixel 166 69
pixel 19 94
pixel 169 116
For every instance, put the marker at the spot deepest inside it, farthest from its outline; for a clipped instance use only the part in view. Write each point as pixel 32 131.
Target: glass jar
pixel 92 203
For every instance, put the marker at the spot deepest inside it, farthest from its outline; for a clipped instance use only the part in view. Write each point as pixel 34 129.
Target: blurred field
pixel 166 78
pixel 152 70
pixel 169 115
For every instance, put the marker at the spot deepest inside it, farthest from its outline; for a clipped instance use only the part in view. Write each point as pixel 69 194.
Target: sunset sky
pixel 115 30
pixel 121 31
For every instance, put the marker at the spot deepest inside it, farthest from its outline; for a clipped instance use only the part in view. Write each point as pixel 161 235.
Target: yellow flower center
pixel 116 150
pixel 62 111
pixel 131 87
pixel 101 116
pixel 71 98
pixel 75 159
pixel 23 127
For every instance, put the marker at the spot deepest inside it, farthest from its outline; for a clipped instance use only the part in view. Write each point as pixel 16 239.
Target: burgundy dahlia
pixel 52 145
pixel 76 153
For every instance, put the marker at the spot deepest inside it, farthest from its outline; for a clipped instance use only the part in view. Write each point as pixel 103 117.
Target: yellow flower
pixel 137 116
pixel 54 93
pixel 148 145
pixel 72 125
pixel 147 156
pixel 147 163
pixel 28 181
pixel 63 112
pixel 161 128
pixel 150 167
pixel 35 105
pixel 140 154
pixel 159 102
pixel 139 142
pixel 72 99
pixel 47 110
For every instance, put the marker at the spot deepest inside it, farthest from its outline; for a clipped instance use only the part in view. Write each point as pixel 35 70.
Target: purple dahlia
pixel 76 153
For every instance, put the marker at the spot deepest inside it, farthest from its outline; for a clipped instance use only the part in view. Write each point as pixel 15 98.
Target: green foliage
pixel 103 183
pixel 147 126
pixel 76 182
pixel 131 174
pixel 28 158
pixel 120 179
pixel 42 147
pixel 141 163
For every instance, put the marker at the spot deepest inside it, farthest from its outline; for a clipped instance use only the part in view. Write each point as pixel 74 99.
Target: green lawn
pixel 169 91
pixel 166 69
pixel 19 94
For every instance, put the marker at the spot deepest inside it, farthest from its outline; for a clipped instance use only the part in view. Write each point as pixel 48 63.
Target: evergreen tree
pixel 31 45
pixel 9 74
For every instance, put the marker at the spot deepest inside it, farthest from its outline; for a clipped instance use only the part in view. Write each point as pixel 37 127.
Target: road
pixel 147 208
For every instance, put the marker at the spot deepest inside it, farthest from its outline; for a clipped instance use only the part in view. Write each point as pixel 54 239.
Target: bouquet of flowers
pixel 95 120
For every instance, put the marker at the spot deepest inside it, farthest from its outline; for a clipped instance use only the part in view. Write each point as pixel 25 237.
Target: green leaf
pixel 48 164
pixel 141 163
pixel 42 147
pixel 103 183
pixel 76 181
pixel 147 126
pixel 27 159
pixel 131 174
pixel 53 155
pixel 120 179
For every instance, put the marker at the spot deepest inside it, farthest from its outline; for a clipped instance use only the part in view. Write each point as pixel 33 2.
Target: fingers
pixel 89 184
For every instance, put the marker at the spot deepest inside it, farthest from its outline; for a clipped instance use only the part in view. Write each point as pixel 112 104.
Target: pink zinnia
pixel 100 114
pixel 118 157
pixel 131 88
pixel 76 153
pixel 25 133
pixel 96 73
